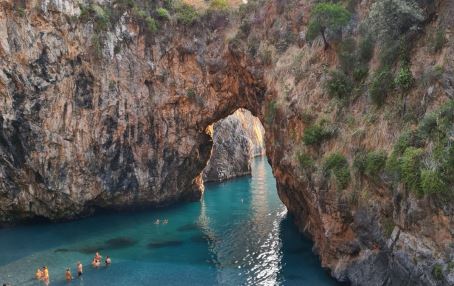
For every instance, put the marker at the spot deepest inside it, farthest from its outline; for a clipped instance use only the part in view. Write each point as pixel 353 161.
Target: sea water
pixel 238 234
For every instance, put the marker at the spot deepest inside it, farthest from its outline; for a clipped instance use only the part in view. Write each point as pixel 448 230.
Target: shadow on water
pixel 189 227
pixel 164 243
pixel 296 247
pixel 111 244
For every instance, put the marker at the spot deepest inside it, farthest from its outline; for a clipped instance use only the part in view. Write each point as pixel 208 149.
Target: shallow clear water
pixel 239 234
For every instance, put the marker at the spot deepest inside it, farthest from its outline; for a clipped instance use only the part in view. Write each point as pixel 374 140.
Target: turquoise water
pixel 238 234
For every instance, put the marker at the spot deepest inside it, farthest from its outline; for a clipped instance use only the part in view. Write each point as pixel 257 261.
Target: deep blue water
pixel 238 234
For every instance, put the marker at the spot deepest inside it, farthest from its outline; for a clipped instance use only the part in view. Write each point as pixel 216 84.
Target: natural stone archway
pixel 124 130
pixel 237 139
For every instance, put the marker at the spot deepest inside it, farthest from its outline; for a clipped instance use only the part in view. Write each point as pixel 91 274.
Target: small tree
pixel 326 16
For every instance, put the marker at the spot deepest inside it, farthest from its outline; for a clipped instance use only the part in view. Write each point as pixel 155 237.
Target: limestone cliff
pixel 236 140
pixel 107 105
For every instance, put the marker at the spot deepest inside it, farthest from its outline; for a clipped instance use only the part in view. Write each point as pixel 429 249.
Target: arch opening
pixel 237 139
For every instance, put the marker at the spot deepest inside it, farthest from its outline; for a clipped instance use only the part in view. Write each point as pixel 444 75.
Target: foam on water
pixel 238 234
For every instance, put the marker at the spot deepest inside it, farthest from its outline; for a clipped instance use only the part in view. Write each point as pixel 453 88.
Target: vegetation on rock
pixel 326 16
pixel 337 165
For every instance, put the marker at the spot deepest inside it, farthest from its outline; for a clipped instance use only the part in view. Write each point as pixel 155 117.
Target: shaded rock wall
pixel 236 140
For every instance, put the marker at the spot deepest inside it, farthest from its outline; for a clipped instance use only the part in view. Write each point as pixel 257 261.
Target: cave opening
pixel 237 139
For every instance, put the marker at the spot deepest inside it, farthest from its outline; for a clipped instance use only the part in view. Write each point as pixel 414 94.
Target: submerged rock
pixel 119 242
pixel 165 243
pixel 188 227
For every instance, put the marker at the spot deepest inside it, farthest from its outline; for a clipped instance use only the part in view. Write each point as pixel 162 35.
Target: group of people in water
pixel 42 274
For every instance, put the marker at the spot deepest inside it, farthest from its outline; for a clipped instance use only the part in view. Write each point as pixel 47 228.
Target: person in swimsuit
pixel 45 275
pixel 79 269
pixel 108 261
pixel 98 256
pixel 68 275
pixel 38 274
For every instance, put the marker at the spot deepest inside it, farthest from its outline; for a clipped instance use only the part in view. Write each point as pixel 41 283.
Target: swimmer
pixel 68 275
pixel 165 221
pixel 38 274
pixel 45 275
pixel 79 269
pixel 156 221
pixel 98 256
pixel 108 261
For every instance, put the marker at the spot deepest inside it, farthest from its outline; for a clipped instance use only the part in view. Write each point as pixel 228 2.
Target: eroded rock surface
pixel 118 119
pixel 236 140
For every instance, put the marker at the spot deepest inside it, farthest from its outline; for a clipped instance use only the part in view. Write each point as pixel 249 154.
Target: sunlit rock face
pixel 236 140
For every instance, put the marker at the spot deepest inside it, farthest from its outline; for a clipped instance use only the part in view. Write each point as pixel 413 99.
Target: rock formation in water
pixel 107 105
pixel 236 140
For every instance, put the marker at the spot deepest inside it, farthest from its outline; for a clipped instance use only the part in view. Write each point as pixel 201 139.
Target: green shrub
pixel 366 49
pixel 450 266
pixel 410 169
pixel 437 272
pixel 346 54
pixel 325 16
pixel 404 78
pixel 102 17
pixel 316 134
pixel 186 14
pixel 339 85
pixel 389 19
pixel 21 11
pixel 163 13
pixel 439 40
pixel 375 163
pixel 306 162
pixel 219 5
pixel 428 124
pixel 140 13
pixel 360 73
pixel 359 162
pixel 389 53
pixel 191 92
pixel 432 183
pixel 337 165
pixel 380 85
pixel 152 26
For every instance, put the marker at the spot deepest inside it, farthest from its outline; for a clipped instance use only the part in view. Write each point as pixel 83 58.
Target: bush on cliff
pixel 388 20
pixel 410 166
pixel 437 272
pixel 219 5
pixel 306 162
pixel 317 133
pixel 186 14
pixel 404 79
pixel 163 13
pixel 432 182
pixel 339 85
pixel 326 16
pixel 381 84
pixel 337 165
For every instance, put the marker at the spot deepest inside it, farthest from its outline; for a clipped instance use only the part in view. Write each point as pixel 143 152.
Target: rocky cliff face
pixel 101 109
pixel 236 140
